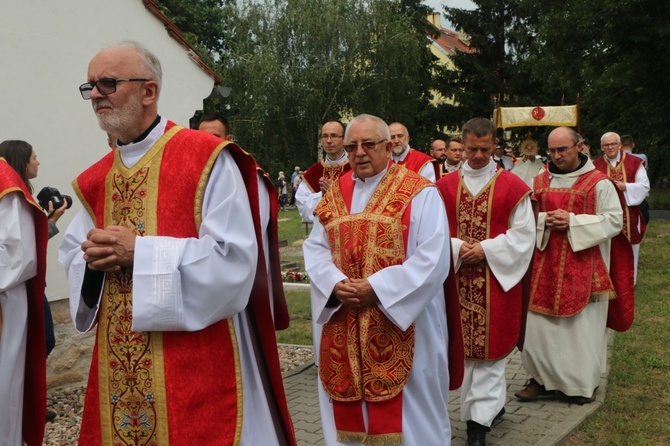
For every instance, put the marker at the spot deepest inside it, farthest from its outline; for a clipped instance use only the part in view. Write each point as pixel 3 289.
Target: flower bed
pixel 294 276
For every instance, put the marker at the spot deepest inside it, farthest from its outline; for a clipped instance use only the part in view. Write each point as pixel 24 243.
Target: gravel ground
pixel 68 402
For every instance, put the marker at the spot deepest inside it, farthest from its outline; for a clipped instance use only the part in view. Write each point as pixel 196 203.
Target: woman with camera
pixel 23 240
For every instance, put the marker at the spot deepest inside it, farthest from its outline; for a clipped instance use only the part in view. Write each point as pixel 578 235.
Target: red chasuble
pixel 415 160
pixel 491 317
pixel 363 355
pixel 35 379
pixel 136 392
pixel 323 170
pixel 625 171
pixel 564 281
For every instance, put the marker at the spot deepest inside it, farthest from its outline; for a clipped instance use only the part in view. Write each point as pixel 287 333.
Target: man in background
pixel 318 178
pixel 628 146
pixel 630 177
pixel 453 157
pixel 216 124
pixel 404 155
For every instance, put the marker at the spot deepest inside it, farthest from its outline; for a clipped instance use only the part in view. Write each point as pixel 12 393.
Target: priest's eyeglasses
pixel 559 150
pixel 105 86
pixel 367 145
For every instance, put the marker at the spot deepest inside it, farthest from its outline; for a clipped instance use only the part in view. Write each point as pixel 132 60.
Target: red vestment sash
pixel 209 409
pixel 625 171
pixel 564 281
pixel 35 379
pixel 363 355
pixel 415 160
pixel 491 318
pixel 322 169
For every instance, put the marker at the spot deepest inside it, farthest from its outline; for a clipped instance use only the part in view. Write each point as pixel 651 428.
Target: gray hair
pixel 151 63
pixel 608 134
pixel 382 128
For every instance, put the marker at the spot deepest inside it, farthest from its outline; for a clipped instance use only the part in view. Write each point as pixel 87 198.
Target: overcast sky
pixel 438 5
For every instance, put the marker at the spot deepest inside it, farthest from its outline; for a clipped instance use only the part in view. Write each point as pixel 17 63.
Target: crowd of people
pixel 426 272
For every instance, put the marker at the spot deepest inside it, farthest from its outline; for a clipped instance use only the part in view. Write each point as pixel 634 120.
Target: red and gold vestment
pixel 363 355
pixel 173 387
pixel 491 317
pixel 625 171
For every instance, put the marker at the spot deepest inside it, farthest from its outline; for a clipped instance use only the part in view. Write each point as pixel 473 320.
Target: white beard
pixel 399 150
pixel 122 117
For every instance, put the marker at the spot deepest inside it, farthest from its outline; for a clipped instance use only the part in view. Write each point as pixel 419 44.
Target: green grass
pixel 291 228
pixel 300 329
pixel 659 199
pixel 638 392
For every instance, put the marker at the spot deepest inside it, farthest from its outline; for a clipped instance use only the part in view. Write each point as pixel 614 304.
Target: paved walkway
pixel 541 423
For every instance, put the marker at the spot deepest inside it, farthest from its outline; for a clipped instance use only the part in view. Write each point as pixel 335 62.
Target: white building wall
pixel 45 47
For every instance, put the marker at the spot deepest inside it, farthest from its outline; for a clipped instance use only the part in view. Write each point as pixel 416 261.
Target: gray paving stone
pixel 539 423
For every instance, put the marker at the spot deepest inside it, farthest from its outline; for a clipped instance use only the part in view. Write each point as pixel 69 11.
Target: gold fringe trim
pixel 384 439
pixel 351 437
pixel 603 297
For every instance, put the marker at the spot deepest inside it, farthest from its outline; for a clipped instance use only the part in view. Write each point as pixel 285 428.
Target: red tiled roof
pixel 450 42
pixel 174 32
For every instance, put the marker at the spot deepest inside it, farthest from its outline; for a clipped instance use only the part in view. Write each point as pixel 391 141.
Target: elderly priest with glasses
pixel 378 257
pixel 167 260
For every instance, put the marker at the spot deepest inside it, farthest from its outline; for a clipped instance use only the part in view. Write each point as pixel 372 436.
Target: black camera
pixel 51 194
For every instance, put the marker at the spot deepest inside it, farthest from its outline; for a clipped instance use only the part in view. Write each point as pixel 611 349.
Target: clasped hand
pixel 324 184
pixel 109 249
pixel 355 293
pixel 471 253
pixel 558 220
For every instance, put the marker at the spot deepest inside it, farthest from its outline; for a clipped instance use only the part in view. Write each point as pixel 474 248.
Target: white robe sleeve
pixel 18 261
pixel 405 290
pixel 306 201
pixel 508 255
pixel 636 192
pixel 322 272
pixel 588 230
pixel 183 283
pixel 428 172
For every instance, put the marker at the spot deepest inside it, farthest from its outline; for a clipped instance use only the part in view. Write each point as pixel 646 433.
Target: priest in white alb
pixel 492 234
pixel 579 219
pixel 166 260
pixel 377 258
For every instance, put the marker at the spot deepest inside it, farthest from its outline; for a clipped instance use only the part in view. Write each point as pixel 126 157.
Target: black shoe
pixel 498 417
pixel 50 416
pixel 581 400
pixel 477 433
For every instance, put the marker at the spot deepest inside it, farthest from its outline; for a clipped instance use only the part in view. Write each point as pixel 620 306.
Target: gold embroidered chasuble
pixel 133 372
pixel 363 355
pixel 490 316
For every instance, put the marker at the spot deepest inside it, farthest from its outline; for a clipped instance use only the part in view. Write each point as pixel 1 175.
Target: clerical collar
pixel 143 135
pixel 490 169
pixel 582 162
pixel 614 161
pixel 340 160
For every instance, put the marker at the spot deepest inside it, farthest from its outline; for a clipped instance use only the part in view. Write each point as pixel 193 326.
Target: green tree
pixel 542 52
pixel 292 64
